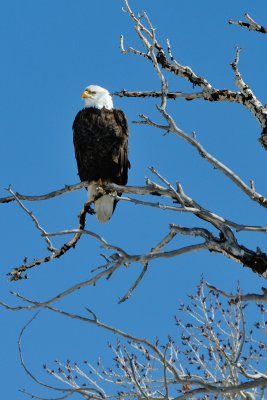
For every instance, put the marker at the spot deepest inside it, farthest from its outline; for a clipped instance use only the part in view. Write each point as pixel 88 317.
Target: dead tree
pixel 222 355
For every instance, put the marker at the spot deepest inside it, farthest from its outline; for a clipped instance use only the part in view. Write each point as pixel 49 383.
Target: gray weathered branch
pixel 157 55
pixel 250 25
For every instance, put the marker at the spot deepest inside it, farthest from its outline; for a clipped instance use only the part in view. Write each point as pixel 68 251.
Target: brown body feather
pixel 100 138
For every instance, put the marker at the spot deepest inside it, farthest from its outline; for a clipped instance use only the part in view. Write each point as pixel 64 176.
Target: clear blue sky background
pixel 51 50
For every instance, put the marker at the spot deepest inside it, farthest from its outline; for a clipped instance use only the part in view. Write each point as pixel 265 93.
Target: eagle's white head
pixel 98 97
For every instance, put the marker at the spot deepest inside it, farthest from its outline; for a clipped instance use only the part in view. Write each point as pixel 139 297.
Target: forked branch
pixel 250 25
pixel 166 61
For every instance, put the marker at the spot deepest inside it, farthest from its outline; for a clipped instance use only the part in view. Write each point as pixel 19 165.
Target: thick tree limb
pixel 151 189
pixel 226 244
pixel 215 95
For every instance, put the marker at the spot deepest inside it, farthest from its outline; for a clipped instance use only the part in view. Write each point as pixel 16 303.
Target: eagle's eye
pixel 92 92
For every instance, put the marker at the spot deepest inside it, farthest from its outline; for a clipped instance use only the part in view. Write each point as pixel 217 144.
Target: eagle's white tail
pixel 104 208
pixel 104 205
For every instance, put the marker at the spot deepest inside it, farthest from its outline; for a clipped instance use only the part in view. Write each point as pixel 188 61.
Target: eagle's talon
pixel 89 209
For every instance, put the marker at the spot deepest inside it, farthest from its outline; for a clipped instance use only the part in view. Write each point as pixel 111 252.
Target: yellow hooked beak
pixel 86 94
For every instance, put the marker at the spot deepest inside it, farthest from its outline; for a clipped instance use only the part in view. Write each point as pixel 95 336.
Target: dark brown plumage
pixel 100 139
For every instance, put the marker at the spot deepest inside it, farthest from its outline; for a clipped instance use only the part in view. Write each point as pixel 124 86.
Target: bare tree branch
pixel 172 127
pixel 224 358
pixel 55 193
pixel 135 284
pixel 218 95
pixel 156 52
pixel 217 336
pixel 35 221
pixel 250 25
pixel 226 244
pixel 242 297
pixel 19 272
pixel 88 393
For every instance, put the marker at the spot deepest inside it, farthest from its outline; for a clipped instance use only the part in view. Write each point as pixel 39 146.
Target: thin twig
pixel 35 220
pixel 135 284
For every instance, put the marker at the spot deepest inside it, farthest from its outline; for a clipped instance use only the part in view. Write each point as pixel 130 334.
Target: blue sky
pixel 51 50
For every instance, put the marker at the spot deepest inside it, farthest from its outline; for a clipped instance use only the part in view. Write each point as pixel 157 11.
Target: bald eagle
pixel 100 137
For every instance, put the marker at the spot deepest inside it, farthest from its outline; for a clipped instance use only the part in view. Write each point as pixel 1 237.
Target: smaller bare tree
pixel 216 353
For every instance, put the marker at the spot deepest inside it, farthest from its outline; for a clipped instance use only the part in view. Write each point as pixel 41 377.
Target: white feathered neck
pixel 98 97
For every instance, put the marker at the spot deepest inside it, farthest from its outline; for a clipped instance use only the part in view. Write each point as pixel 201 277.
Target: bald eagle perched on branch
pixel 100 137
